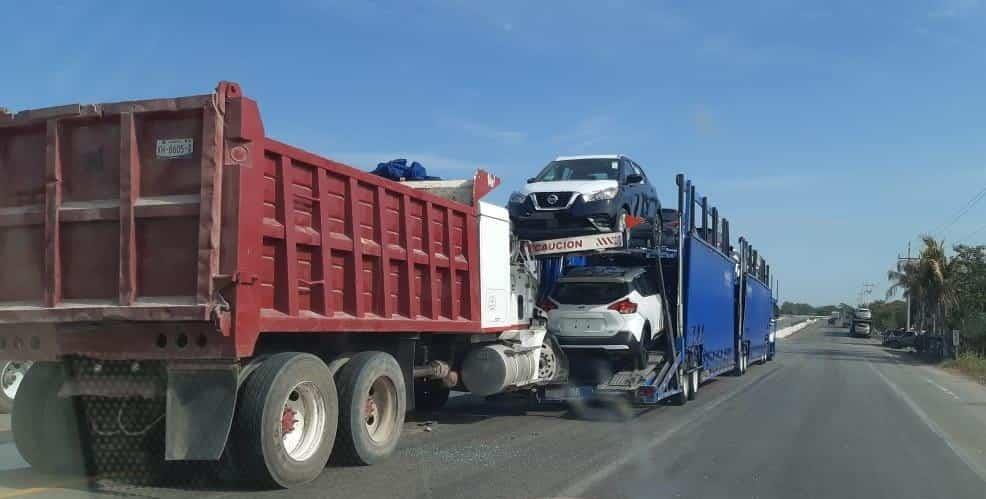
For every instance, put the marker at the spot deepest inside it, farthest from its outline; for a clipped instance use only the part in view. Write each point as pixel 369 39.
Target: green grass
pixel 971 364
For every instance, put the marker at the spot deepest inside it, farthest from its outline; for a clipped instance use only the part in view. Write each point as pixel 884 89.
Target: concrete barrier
pixel 788 331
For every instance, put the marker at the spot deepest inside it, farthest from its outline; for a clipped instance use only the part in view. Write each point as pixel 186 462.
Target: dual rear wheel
pixel 292 417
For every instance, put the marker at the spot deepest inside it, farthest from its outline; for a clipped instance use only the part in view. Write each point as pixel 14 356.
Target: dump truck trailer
pixel 179 277
pixel 719 307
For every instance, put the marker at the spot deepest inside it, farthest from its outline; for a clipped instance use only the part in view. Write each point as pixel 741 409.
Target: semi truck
pixel 191 289
pixel 861 322
pixel 719 307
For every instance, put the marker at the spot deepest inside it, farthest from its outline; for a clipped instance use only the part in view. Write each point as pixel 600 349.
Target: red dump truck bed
pixel 174 228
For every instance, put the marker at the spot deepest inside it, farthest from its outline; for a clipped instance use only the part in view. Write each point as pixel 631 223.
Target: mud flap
pixel 201 403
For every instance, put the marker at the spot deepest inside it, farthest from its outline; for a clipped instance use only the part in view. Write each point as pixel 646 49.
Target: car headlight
pixel 518 197
pixel 601 195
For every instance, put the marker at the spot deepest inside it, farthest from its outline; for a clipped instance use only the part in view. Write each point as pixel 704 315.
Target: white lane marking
pixel 942 388
pixel 578 489
pixel 960 452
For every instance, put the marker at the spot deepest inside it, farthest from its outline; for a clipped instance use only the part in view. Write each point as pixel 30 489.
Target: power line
pixel 962 211
pixel 973 233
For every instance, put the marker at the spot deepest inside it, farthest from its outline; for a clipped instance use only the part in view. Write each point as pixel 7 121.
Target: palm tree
pixel 905 278
pixel 928 281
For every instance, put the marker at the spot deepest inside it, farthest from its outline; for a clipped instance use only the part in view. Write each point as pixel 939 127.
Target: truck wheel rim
pixel 11 377
pixel 380 410
pixel 303 420
pixel 546 368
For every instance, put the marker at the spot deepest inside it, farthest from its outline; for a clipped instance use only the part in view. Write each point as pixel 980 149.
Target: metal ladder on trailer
pixel 658 379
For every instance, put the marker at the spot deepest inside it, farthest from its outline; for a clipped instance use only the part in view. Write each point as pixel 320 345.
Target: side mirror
pixel 633 178
pixel 531 180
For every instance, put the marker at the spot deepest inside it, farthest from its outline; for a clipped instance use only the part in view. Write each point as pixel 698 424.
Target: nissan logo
pixel 552 198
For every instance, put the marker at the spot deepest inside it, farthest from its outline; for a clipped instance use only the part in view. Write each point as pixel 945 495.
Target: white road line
pixel 942 388
pixel 578 489
pixel 961 453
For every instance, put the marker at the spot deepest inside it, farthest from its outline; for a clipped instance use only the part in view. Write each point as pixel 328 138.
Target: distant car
pixel 613 309
pixel 582 195
pixel 902 339
pixel 889 334
pixel 860 329
pixel 863 314
pixel 929 343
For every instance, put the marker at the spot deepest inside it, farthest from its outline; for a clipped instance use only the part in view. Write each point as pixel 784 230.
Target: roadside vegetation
pixel 947 288
pixel 971 364
pixel 948 292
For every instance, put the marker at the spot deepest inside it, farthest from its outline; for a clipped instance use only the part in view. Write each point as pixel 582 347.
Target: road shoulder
pixel 951 405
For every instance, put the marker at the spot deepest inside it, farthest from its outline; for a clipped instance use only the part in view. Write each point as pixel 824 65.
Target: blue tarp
pixel 398 169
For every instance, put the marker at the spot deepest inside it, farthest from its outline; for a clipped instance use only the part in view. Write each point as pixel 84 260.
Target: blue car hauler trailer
pixel 754 334
pixel 706 336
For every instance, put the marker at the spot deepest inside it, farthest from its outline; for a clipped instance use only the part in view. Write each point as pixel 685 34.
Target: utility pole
pixel 865 291
pixel 907 259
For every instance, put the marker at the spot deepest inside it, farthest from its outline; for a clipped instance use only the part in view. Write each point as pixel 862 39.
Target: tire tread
pixel 345 451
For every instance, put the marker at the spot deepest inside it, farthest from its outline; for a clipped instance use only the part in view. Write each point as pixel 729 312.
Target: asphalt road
pixel 832 416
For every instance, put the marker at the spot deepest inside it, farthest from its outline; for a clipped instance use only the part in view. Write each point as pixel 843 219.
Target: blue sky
pixel 830 133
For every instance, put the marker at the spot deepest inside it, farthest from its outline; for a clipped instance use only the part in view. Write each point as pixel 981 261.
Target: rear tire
pixel 693 380
pixel 47 428
pixel 740 368
pixel 430 395
pixel 372 403
pixel 641 354
pixel 289 392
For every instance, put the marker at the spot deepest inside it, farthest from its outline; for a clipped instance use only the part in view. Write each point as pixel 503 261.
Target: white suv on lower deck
pixel 615 309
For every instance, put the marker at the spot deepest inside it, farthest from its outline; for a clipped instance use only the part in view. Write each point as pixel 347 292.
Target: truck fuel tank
pixel 497 367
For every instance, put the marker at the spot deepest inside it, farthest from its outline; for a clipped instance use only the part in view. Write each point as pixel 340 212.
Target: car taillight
pixel 547 305
pixel 624 306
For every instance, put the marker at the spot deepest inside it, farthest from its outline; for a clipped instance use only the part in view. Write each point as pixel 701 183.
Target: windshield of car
pixel 580 169
pixel 589 293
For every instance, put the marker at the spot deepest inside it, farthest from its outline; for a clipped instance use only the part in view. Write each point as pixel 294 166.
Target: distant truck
pixel 860 324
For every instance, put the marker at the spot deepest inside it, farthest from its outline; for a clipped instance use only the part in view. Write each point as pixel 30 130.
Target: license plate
pixel 175 148
pixel 568 392
pixel 582 325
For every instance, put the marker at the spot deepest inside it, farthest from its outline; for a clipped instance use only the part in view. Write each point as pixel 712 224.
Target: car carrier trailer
pixel 720 311
pixel 191 289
